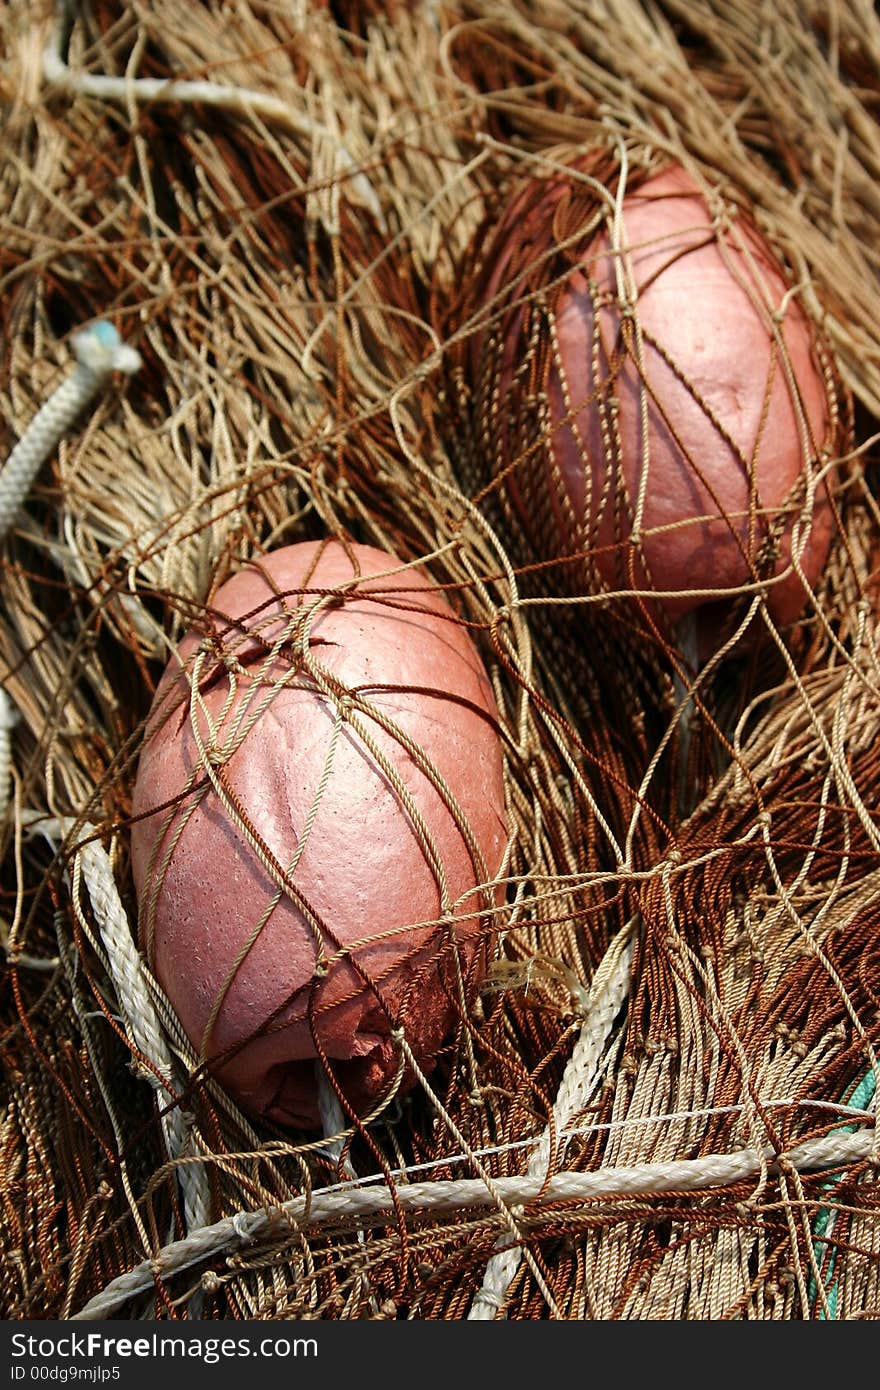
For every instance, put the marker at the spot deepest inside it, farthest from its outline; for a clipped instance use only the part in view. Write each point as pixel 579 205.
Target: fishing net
pixel 656 1099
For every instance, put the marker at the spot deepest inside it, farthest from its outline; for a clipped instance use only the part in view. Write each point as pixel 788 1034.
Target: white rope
pixel 607 994
pixel 437 1198
pixel 334 1125
pixel 137 1009
pixel 99 351
pixel 8 721
pixel 92 863
pixel 333 1121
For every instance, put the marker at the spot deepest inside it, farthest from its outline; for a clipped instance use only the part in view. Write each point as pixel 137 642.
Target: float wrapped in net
pixel 658 1100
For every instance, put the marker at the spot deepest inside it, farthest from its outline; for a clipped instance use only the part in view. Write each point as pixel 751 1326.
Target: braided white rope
pixel 436 1198
pixel 332 1118
pixel 99 351
pixel 607 994
pixel 8 721
pixel 92 864
pixel 137 1009
pixel 333 1124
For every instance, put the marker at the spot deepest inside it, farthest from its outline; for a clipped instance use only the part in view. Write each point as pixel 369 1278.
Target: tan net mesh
pixel 659 1103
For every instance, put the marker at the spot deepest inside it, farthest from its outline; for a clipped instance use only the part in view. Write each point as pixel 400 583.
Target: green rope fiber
pixel 860 1099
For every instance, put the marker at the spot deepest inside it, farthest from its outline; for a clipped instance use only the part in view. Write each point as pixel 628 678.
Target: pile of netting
pixel 249 267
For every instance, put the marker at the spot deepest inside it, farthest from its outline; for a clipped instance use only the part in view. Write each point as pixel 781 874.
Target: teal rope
pixel 860 1099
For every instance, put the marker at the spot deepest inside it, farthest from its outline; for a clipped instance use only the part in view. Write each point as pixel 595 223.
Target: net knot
pixel 215 756
pixel 142 1072
pixel 490 1298
pixel 232 663
pixel 720 211
pixel 241 1225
